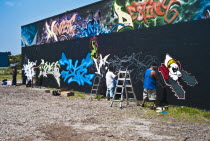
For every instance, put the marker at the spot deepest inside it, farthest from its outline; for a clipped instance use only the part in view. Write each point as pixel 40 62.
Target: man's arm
pixel 154 75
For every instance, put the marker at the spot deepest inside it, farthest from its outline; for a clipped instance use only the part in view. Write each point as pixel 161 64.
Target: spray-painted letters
pixel 151 8
pixel 94 47
pixel 101 65
pixel 75 73
pixel 123 17
pixel 28 70
pixel 50 68
pixel 63 28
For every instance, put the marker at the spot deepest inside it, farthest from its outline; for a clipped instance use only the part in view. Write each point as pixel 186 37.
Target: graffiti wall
pixel 181 52
pixel 113 16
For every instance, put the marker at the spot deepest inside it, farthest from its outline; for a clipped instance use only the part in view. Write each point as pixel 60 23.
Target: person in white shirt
pixel 110 83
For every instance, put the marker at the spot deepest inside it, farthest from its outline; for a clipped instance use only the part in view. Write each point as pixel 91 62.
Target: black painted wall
pixel 186 42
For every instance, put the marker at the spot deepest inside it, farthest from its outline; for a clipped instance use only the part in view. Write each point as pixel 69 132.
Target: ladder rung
pixel 94 89
pixel 128 86
pixel 95 85
pixel 123 72
pixel 131 99
pixel 117 93
pixel 130 91
pixel 117 100
pixel 119 85
pixel 123 79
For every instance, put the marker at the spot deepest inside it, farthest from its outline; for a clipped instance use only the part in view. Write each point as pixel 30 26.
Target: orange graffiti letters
pixel 150 9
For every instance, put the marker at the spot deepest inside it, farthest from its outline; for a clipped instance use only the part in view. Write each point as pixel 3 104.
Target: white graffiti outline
pixel 50 32
pixel 47 68
pixel 28 70
pixel 99 63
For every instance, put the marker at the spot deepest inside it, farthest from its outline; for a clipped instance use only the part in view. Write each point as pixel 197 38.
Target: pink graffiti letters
pixel 151 9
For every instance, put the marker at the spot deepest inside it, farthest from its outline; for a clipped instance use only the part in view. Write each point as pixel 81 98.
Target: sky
pixel 16 13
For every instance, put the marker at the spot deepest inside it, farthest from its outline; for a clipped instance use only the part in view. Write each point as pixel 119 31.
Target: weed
pixel 99 97
pixel 206 115
pixel 78 94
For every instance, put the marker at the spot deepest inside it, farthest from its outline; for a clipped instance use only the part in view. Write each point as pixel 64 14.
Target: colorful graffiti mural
pixel 142 11
pixel 77 73
pixel 113 16
pixel 29 35
pixel 172 73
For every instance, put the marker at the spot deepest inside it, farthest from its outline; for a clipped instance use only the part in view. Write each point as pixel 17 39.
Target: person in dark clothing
pixel 14 75
pixel 24 77
pixel 35 79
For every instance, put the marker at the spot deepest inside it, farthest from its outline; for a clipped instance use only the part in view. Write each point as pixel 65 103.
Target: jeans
pixel 110 92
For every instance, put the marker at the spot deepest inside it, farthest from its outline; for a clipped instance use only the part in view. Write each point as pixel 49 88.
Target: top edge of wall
pixel 69 11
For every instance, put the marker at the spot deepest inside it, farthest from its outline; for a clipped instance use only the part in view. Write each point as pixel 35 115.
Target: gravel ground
pixel 31 114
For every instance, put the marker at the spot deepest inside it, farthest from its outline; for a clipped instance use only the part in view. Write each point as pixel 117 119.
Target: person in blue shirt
pixel 149 85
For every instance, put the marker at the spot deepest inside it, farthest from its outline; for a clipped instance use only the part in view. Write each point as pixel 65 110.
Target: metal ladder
pixel 124 83
pixel 95 86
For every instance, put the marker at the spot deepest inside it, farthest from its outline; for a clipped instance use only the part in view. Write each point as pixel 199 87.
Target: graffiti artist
pixel 14 75
pixel 149 85
pixel 110 83
pixel 37 78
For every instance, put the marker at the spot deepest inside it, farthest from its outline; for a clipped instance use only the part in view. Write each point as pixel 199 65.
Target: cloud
pixel 9 3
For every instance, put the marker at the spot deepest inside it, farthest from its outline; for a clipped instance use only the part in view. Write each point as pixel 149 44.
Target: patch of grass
pixel 148 104
pixel 78 94
pixel 6 76
pixel 99 97
pixel 206 115
pixel 181 113
pixel 208 138
pixel 53 89
pixel 6 71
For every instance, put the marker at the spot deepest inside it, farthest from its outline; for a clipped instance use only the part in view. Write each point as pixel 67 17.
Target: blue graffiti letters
pixel 75 73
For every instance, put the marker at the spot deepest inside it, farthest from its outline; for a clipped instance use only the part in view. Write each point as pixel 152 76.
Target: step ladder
pixel 95 86
pixel 124 85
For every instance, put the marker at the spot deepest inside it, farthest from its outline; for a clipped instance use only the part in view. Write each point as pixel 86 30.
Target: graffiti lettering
pixel 28 70
pixel 94 47
pixel 151 8
pixel 137 63
pixel 74 73
pixel 50 32
pixel 93 27
pixel 65 27
pixel 50 68
pixel 122 15
pixel 101 65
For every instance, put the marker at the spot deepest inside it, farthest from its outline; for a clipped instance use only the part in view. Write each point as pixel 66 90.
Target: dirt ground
pixel 28 114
